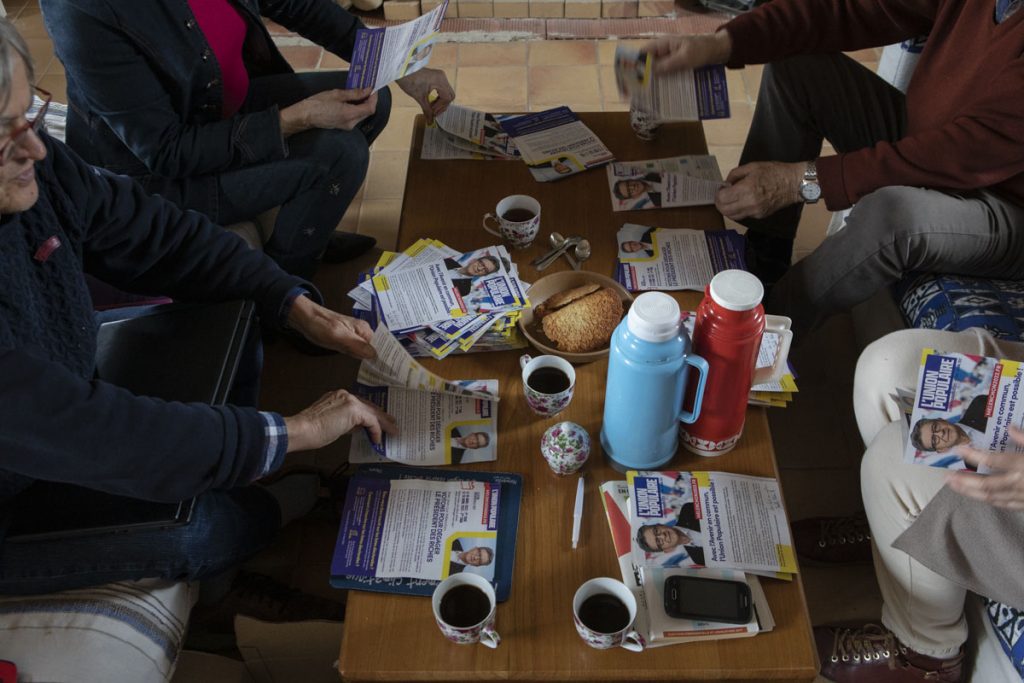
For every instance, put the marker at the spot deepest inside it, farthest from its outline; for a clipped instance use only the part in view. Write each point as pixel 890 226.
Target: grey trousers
pixel 890 232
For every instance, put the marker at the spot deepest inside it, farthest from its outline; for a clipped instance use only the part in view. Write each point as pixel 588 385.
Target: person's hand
pixel 330 329
pixel 418 86
pixel 334 414
pixel 330 109
pixel 1004 487
pixel 760 189
pixel 678 53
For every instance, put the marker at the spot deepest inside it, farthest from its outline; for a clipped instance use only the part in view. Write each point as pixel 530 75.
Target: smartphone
pixel 687 597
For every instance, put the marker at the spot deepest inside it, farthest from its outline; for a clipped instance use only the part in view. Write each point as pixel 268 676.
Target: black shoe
pixel 833 540
pixel 261 597
pixel 345 246
pixel 768 257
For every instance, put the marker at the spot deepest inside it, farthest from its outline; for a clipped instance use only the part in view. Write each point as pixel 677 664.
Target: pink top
pixel 224 29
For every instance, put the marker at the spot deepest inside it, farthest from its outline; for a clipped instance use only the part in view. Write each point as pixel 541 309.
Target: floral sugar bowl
pixel 566 447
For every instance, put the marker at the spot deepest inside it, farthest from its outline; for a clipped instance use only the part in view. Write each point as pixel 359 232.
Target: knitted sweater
pixel 56 421
pixel 964 125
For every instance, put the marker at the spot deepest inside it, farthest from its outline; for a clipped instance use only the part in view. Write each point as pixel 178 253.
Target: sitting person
pixel 935 534
pixel 194 100
pixel 935 177
pixel 62 218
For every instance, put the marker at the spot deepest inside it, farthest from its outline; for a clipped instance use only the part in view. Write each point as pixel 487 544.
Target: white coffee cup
pixel 519 233
pixel 480 632
pixel 541 403
pixel 626 636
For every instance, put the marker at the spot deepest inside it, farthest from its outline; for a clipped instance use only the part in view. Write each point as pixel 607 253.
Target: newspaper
pixel 555 144
pixel 690 95
pixel 418 529
pixel 658 259
pixel 656 183
pixel 647 585
pixel 709 519
pixel 963 399
pixel 383 55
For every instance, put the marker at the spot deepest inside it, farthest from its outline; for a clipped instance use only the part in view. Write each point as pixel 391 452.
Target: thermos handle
pixel 689 417
pixel 779 324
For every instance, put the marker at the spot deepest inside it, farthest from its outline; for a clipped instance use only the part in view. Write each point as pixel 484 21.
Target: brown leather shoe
pixel 833 540
pixel 871 654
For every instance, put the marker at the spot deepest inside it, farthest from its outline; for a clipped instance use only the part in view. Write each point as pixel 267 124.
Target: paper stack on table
pixel 438 301
pixel 777 394
pixel 555 144
pixel 464 133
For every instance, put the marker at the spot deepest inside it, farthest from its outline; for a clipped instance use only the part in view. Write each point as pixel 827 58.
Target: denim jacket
pixel 146 93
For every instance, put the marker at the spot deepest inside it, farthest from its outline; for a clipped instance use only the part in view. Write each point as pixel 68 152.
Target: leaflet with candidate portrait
pixel 963 399
pixel 656 183
pixel 709 519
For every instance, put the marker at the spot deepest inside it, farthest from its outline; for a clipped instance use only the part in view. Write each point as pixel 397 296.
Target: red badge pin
pixel 46 248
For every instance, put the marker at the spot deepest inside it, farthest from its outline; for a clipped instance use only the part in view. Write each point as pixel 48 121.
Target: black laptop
pixel 181 352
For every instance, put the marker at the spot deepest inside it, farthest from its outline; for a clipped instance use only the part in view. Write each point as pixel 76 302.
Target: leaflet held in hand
pixel 383 55
pixel 688 95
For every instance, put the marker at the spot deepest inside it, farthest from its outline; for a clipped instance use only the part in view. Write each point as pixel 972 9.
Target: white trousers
pixel 923 609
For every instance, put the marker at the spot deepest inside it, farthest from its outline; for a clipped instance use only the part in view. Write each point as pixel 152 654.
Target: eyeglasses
pixel 17 136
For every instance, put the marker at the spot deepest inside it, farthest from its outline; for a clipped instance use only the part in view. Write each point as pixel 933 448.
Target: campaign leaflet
pixel 555 144
pixel 418 529
pixel 434 427
pixel 963 399
pixel 421 252
pixel 383 55
pixel 662 183
pixel 413 297
pixel 688 95
pixel 658 259
pixel 709 519
pixel 464 133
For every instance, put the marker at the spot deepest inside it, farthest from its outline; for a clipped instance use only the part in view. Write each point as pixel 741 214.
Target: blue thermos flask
pixel 647 370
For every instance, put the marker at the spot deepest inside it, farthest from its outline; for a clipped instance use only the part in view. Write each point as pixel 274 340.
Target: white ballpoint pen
pixel 577 514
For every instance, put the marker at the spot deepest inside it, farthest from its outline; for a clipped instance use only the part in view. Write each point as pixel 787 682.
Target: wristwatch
pixel 810 190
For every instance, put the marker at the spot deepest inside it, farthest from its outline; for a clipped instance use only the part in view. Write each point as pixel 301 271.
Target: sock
pixel 295 495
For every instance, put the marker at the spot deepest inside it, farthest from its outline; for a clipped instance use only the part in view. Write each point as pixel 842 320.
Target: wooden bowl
pixel 557 282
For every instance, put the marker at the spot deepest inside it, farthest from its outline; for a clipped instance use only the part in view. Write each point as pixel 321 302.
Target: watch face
pixel 810 191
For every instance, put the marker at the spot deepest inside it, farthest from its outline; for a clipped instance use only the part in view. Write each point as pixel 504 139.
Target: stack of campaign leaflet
pixel 440 422
pixel 555 144
pixel 646 578
pixel 691 95
pixel 962 399
pixel 651 258
pixel 656 183
pixel 438 301
pixel 464 133
pixel 404 530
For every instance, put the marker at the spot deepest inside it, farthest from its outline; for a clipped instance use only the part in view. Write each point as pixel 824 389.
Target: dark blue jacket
pixel 56 421
pixel 146 93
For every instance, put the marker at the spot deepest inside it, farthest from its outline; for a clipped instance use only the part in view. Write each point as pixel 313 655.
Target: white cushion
pixel 128 632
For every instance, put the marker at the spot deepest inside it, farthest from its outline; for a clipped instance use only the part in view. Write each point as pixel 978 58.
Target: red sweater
pixel 965 104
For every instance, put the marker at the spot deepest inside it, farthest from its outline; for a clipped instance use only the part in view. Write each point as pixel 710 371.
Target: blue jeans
pixel 227 526
pixel 313 186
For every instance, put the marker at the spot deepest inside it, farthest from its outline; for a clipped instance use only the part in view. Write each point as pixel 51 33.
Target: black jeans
pixel 313 186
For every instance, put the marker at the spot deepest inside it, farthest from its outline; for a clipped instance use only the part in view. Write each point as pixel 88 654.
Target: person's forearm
pixel 294 119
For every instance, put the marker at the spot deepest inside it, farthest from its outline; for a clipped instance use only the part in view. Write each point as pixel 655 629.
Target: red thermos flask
pixel 727 333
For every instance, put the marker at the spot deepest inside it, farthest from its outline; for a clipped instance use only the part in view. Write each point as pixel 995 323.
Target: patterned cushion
pixel 128 632
pixel 946 302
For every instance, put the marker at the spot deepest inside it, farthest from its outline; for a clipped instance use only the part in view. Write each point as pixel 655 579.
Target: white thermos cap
pixel 736 290
pixel 654 317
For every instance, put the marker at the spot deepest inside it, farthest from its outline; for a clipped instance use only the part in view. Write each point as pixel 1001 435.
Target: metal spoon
pixel 569 243
pixel 581 254
pixel 556 241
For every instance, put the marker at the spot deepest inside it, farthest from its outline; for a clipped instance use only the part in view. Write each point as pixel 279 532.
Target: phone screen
pixel 707 599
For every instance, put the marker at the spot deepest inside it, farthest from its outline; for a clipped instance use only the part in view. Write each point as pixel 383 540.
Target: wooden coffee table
pixel 394 638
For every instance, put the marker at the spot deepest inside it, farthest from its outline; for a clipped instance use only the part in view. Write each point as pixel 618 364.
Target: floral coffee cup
pixel 620 597
pixel 518 220
pixel 565 446
pixel 548 383
pixel 480 632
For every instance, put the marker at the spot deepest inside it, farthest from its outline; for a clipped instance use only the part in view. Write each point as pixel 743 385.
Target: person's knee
pixel 876 467
pixel 886 216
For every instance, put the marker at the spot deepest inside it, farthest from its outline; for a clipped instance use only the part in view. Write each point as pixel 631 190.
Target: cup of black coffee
pixel 548 383
pixel 604 610
pixel 517 218
pixel 464 606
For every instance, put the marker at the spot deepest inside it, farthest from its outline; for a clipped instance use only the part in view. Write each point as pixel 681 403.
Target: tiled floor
pixel 530 76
